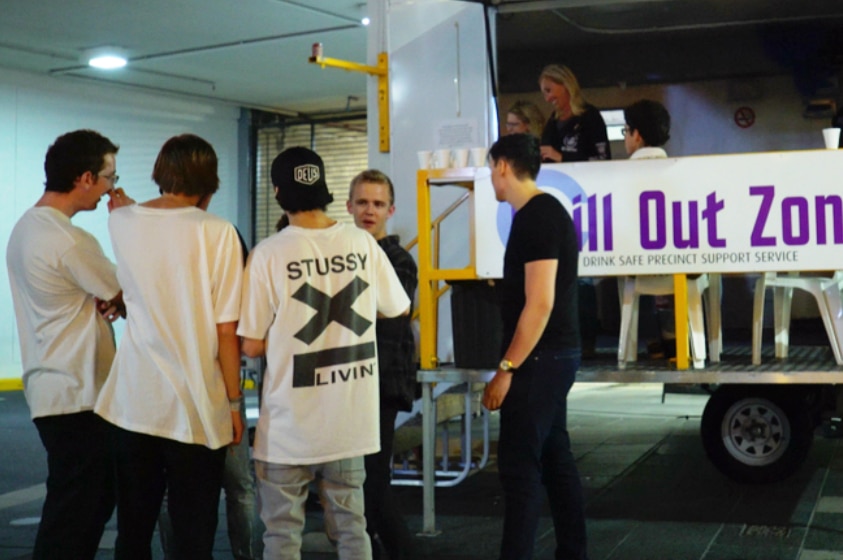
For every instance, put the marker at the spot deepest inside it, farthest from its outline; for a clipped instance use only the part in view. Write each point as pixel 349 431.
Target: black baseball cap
pixel 299 175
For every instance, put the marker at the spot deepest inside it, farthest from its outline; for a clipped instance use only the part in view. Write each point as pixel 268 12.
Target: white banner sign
pixel 780 211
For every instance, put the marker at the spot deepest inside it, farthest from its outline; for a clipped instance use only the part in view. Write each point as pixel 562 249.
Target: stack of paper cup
pixel 442 159
pixel 832 138
pixel 461 157
pixel 478 157
pixel 425 157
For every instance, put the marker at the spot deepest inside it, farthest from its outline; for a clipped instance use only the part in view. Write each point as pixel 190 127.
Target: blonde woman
pixel 576 130
pixel 524 117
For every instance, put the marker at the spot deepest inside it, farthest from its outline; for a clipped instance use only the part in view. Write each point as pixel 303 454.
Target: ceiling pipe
pixel 219 46
pixel 320 11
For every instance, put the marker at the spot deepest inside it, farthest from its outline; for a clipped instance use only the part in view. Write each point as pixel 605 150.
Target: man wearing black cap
pixel 311 297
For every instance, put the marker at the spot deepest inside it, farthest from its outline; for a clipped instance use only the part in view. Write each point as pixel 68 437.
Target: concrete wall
pixel 34 110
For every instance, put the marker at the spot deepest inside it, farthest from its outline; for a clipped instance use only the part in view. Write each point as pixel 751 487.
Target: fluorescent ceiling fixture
pixel 105 58
pixel 365 21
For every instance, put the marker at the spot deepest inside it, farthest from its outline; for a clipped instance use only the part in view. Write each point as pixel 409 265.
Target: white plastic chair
pixel 826 290
pixel 631 287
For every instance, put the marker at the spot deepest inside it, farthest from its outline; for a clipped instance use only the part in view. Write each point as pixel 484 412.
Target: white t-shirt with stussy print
pixel 314 296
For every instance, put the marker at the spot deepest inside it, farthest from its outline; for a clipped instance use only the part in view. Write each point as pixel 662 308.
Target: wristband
pixel 236 403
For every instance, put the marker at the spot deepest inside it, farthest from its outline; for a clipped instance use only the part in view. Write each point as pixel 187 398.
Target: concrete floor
pixel 651 493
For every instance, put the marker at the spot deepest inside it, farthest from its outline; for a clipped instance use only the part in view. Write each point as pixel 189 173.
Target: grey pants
pixel 282 492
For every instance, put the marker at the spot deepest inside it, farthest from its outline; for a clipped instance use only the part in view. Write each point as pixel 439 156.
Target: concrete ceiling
pixel 251 53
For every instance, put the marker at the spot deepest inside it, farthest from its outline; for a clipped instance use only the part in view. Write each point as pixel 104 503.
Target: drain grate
pixel 765 531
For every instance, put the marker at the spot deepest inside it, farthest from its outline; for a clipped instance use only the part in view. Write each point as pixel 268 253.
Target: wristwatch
pixel 507 366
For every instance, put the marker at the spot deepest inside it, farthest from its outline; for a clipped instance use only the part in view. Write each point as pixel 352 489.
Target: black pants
pixel 383 518
pixel 192 476
pixel 534 457
pixel 80 486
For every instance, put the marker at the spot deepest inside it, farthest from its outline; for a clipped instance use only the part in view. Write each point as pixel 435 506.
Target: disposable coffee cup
pixel 461 157
pixel 478 157
pixel 442 159
pixel 425 157
pixel 832 138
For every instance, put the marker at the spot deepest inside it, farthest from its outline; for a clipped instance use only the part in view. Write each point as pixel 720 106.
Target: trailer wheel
pixel 756 437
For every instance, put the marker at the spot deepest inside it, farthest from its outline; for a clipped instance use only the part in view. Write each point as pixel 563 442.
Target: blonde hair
pixel 563 76
pixel 529 114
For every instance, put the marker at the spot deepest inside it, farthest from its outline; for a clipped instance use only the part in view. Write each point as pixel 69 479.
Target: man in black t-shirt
pixel 541 354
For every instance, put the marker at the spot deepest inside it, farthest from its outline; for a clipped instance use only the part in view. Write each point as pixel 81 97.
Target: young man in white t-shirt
pixel 311 296
pixel 58 273
pixel 173 393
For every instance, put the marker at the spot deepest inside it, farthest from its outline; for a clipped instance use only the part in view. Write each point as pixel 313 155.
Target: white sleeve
pixel 228 277
pixel 257 306
pixel 91 269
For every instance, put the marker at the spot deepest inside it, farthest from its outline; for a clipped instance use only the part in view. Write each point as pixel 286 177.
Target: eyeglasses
pixel 113 178
pixel 625 130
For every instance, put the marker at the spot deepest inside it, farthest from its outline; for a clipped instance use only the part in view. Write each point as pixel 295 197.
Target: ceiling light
pixel 105 58
pixel 365 21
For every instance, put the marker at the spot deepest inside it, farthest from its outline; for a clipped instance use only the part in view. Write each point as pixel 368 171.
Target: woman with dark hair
pixel 576 130
pixel 174 388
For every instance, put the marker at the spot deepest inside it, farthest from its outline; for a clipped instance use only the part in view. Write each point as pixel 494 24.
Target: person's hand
pixel 111 310
pixel 496 390
pixel 550 154
pixel 237 423
pixel 117 198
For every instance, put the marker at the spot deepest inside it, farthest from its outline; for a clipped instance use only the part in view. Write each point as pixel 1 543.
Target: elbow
pixel 252 348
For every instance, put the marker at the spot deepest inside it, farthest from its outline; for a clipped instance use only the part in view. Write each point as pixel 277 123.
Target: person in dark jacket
pixel 576 130
pixel 371 201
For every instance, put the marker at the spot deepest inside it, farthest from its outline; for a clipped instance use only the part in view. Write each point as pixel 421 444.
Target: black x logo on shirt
pixel 336 308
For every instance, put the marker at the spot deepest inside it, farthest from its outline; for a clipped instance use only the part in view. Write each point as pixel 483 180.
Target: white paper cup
pixel 461 157
pixel 832 138
pixel 424 159
pixel 442 159
pixel 478 157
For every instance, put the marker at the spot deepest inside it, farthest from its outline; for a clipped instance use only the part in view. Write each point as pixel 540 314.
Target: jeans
pixel 239 486
pixel 282 493
pixel 191 475
pixel 534 450
pixel 80 485
pixel 383 518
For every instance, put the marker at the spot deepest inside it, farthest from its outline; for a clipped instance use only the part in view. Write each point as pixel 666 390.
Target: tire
pixel 756 434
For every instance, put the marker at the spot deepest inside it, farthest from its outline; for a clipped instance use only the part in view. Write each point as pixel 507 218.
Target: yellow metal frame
pixel 680 295
pixel 382 72
pixel 430 275
pixel 11 385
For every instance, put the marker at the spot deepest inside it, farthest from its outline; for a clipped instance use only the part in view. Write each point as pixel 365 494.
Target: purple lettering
pixel 712 207
pixel 608 236
pixel 693 240
pixel 659 241
pixel 766 193
pixel 592 222
pixel 789 204
pixel 836 206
